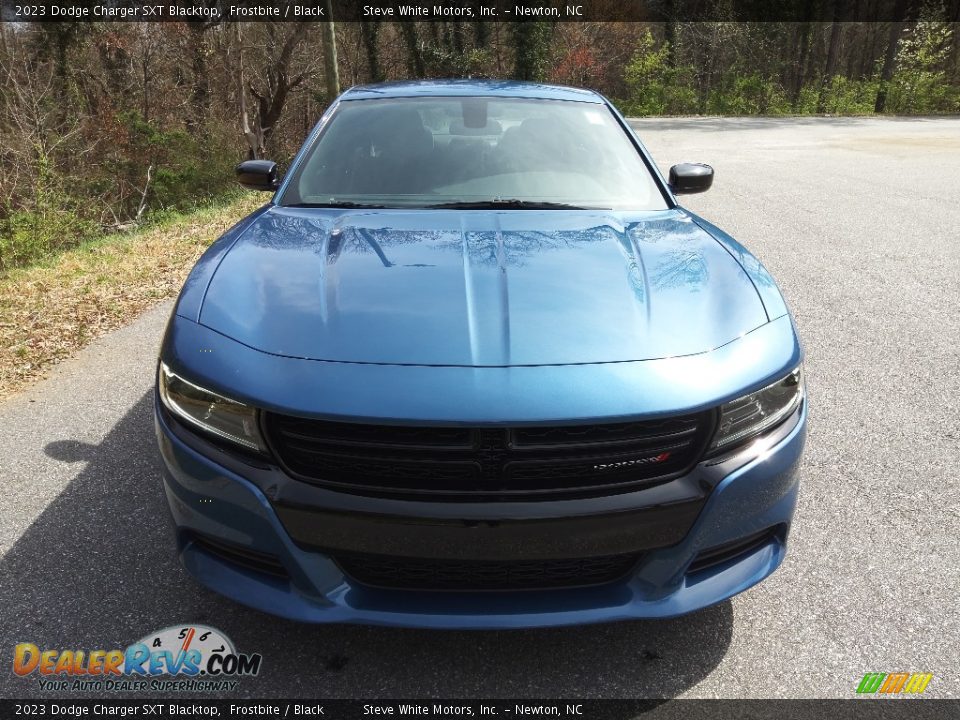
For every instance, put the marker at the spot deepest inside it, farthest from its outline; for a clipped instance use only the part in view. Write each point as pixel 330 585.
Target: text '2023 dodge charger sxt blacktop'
pixel 473 366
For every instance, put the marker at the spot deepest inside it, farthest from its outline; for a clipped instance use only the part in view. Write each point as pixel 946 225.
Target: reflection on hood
pixel 480 288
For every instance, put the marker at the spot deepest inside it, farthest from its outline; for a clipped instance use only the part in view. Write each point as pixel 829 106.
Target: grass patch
pixel 51 310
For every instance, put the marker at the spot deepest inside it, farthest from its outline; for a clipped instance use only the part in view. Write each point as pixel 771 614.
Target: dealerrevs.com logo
pixel 187 658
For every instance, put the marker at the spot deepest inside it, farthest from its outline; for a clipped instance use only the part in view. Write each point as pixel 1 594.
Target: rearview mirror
pixel 687 178
pixel 258 175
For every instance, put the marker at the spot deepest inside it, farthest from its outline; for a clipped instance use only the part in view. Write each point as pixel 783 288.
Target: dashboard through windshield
pixel 473 153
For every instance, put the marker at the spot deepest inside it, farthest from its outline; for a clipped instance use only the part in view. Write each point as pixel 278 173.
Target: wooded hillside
pixel 105 125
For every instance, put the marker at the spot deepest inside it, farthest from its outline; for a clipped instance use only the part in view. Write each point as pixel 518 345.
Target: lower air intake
pixel 422 574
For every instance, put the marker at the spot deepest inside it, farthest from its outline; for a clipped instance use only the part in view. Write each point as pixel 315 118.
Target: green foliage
pixel 185 171
pixel 27 237
pixel 77 158
pixel 920 84
pixel 654 87
pixel 532 42
pixel 842 96
pixel 748 95
pixel 49 224
pixel 65 210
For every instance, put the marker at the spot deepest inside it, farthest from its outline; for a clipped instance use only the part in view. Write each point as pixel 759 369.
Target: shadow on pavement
pixel 97 571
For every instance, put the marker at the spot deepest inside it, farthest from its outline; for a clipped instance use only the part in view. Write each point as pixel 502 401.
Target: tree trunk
pixel 456 32
pixel 481 34
pixel 953 61
pixel 831 65
pixel 369 32
pixel 803 58
pixel 670 34
pixel 199 109
pixel 531 40
pixel 331 74
pixel 272 96
pixel 414 56
pixel 868 58
pixel 890 56
pixel 252 135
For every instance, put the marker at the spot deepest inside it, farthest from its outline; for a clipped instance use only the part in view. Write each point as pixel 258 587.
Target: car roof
pixel 448 88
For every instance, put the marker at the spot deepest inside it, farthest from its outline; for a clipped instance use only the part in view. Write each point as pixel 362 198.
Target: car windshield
pixel 473 152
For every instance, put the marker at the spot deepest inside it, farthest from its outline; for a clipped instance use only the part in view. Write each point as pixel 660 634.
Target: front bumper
pixel 212 497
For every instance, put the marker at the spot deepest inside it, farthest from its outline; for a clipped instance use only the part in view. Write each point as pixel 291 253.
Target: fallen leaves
pixel 49 312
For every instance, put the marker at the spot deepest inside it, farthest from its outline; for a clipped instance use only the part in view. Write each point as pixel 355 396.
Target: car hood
pixel 478 288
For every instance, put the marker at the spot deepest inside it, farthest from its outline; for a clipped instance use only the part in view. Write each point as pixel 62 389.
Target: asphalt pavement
pixel 859 221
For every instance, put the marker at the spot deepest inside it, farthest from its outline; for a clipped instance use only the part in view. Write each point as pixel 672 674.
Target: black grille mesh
pixel 487 463
pixel 253 559
pixel 421 574
pixel 724 553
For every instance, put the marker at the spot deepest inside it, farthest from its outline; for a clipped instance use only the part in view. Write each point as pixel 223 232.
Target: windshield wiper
pixel 343 204
pixel 508 203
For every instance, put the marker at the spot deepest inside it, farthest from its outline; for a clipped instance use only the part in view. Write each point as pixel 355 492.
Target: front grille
pixel 449 463
pixel 420 574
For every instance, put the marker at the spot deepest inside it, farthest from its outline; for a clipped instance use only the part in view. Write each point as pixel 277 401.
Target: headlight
pixel 225 418
pixel 746 417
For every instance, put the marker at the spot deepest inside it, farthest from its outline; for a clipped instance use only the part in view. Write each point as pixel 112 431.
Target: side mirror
pixel 687 178
pixel 258 175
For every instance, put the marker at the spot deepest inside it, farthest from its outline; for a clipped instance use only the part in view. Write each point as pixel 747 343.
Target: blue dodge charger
pixel 474 366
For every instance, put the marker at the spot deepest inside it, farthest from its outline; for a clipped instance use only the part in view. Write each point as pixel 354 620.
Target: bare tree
pixel 199 51
pixel 272 86
pixel 369 32
pixel 250 132
pixel 330 71
pixel 416 66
